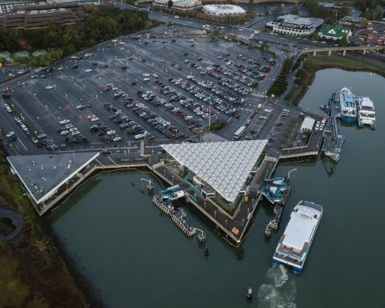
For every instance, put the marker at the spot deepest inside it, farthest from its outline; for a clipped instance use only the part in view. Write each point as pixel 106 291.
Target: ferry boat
pixel 348 106
pixel 294 245
pixel 366 114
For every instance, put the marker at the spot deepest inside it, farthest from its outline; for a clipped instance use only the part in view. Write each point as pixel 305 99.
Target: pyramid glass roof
pixel 223 165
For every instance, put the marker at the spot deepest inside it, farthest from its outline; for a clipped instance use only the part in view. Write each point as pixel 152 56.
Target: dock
pixel 277 192
pixel 333 141
pixel 178 215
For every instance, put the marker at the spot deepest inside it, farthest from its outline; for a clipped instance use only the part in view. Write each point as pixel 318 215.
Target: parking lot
pixel 135 88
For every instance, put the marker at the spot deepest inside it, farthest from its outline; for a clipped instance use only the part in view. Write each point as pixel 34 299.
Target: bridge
pixel 342 49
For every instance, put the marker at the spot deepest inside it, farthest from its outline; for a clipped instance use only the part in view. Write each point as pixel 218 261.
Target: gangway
pixel 172 193
pixel 201 235
pixel 150 186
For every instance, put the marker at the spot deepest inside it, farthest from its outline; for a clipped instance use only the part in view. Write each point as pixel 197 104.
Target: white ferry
pixel 348 106
pixel 294 245
pixel 366 112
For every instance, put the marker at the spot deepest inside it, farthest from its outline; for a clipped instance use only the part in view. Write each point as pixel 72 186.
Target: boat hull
pixel 348 119
pixel 296 270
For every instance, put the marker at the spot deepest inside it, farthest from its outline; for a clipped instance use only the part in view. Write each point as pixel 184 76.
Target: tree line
pixel 101 24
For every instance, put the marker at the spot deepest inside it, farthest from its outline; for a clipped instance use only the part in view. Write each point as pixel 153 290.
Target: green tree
pixel 344 11
pixel 294 10
pixel 368 14
pixel 265 46
pixel 287 65
pixel 377 12
pixel 342 42
pixel 364 23
pixel 310 4
pixel 251 6
pixel 267 12
pixel 216 33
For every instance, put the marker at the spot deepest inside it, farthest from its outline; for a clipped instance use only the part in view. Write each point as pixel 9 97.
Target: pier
pixel 277 192
pixel 178 216
pixel 333 141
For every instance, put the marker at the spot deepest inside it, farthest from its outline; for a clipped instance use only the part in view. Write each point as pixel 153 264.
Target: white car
pixel 121 48
pixel 10 134
pixel 88 70
pixel 94 119
pixel 155 75
pixel 82 106
pixel 49 87
pixel 64 132
pixel 64 122
pixel 146 75
pixel 146 79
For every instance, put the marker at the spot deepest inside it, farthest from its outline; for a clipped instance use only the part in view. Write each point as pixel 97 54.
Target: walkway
pixel 216 214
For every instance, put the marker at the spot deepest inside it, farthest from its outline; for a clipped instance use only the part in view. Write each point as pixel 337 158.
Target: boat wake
pixel 280 292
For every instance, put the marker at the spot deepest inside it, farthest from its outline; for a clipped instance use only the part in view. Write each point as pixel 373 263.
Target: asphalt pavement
pixel 45 97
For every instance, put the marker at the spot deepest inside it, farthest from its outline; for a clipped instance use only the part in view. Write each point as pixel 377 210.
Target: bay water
pixel 134 255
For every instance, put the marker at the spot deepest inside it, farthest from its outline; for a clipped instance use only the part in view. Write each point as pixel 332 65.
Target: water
pixel 136 257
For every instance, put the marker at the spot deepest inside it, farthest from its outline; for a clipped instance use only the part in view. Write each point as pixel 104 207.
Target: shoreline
pixel 81 281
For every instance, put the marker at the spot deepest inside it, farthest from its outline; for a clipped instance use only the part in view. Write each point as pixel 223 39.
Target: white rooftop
pixel 300 227
pixel 182 2
pixel 308 123
pixel 225 9
pixel 295 19
pixel 367 102
pixel 225 166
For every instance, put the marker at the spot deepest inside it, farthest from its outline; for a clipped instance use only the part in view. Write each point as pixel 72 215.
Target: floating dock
pixel 277 191
pixel 178 216
pixel 332 145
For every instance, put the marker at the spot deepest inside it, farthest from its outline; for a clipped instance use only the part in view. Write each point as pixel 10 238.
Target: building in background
pixel 295 25
pixel 334 32
pixel 222 10
pixel 177 5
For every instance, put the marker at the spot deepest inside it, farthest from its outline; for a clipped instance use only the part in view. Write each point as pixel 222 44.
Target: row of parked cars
pixel 70 132
pixel 215 71
pixel 157 122
pixel 104 132
pixel 226 107
pixel 38 140
pixel 176 96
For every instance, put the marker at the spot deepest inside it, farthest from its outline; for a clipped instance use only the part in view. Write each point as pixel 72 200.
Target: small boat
pixel 249 295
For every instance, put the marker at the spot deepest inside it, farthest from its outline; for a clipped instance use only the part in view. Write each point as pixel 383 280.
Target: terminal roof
pixel 43 173
pixel 223 165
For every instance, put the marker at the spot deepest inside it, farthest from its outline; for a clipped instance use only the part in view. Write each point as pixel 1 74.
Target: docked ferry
pixel 295 243
pixel 366 114
pixel 348 106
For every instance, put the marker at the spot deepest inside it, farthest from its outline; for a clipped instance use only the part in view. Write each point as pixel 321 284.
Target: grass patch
pixel 32 272
pixel 217 125
pixel 312 64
